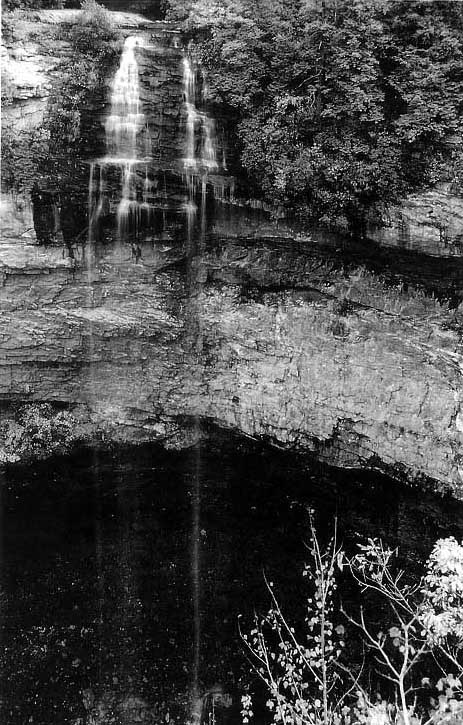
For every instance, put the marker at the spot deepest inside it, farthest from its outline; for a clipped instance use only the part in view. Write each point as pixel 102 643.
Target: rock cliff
pixel 429 223
pixel 343 366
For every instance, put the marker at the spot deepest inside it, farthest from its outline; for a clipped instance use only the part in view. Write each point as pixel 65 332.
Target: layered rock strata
pixel 359 373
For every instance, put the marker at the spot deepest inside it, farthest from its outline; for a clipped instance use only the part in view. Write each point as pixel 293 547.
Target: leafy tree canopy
pixel 339 106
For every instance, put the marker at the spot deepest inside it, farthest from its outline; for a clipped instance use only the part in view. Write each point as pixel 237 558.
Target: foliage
pixel 22 156
pixel 301 674
pixel 442 610
pixel 93 33
pixel 10 5
pixel 35 432
pixel 339 105
pixel 418 653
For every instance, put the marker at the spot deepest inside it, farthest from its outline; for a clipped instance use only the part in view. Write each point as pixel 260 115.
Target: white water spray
pixel 200 159
pixel 125 120
pixel 200 127
pixel 127 145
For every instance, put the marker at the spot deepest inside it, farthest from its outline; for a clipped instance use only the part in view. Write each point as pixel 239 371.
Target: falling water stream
pixel 200 157
pixel 198 161
pixel 127 147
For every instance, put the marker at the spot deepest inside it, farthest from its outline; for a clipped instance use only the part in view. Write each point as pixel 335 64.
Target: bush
pixel 36 431
pixel 416 659
pixel 94 33
pixel 22 157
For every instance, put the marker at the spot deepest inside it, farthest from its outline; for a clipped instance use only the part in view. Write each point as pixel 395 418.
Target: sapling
pixel 301 672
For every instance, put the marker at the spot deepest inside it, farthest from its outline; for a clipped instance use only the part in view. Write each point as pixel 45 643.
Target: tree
pixel 338 107
pixel 301 672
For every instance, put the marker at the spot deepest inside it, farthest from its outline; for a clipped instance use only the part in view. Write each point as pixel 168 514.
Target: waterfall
pixel 200 158
pixel 192 115
pixel 129 152
pixel 127 146
pixel 201 165
pixel 125 121
pixel 199 126
pixel 91 201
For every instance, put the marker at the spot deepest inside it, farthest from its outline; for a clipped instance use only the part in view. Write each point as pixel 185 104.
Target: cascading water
pixel 200 158
pixel 201 163
pixel 125 121
pixel 127 146
pixel 201 140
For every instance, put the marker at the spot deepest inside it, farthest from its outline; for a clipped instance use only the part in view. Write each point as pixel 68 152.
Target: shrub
pixel 306 675
pixel 301 673
pixel 37 431
pixel 94 33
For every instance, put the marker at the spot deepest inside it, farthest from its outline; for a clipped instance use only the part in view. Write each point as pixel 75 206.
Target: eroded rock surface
pixel 357 373
pixel 430 222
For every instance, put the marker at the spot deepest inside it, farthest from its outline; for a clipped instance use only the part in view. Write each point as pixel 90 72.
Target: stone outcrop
pixel 359 374
pixel 430 223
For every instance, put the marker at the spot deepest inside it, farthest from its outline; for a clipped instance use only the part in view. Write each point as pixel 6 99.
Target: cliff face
pixel 343 367
pixel 273 338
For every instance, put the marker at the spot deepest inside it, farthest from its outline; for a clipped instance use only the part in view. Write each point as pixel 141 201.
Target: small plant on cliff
pixel 415 661
pixel 36 431
pixel 22 156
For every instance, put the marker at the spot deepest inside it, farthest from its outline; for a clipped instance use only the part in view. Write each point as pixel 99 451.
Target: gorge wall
pixel 243 323
pixel 344 367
